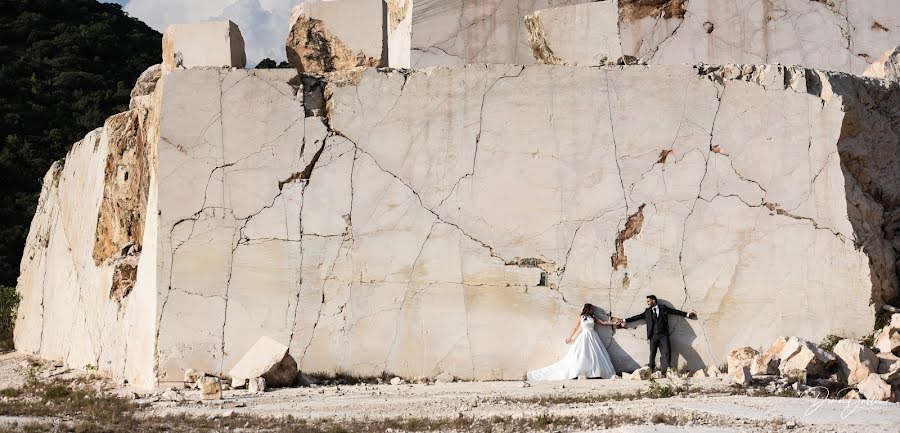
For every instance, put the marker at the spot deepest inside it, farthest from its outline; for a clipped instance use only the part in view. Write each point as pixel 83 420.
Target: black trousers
pixel 661 343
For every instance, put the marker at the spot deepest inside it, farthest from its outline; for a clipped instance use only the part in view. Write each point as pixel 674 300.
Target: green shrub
pixel 9 301
pixel 10 392
pixel 829 342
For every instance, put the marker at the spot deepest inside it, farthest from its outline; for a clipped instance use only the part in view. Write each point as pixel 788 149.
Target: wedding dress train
pixel 586 358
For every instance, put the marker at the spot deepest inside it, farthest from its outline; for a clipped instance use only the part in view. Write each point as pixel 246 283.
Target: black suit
pixel 658 333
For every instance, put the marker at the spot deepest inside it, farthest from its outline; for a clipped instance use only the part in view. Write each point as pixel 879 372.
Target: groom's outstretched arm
pixel 635 318
pixel 677 312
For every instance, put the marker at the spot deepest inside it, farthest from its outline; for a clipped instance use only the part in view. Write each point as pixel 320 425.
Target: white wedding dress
pixel 586 358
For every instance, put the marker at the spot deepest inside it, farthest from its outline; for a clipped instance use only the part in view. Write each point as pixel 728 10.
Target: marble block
pixel 333 35
pixel 213 43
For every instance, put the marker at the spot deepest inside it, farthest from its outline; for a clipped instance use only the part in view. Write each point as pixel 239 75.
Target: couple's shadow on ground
pixel 681 337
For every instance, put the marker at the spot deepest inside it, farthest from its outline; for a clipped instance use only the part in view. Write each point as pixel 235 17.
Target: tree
pixel 266 63
pixel 65 66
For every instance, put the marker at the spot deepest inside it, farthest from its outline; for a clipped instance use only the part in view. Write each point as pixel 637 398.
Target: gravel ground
pixel 709 407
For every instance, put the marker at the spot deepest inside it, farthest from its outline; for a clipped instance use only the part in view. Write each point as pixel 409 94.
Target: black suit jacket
pixel 656 325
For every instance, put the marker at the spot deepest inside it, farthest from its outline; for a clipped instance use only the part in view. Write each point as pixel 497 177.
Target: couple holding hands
pixel 587 358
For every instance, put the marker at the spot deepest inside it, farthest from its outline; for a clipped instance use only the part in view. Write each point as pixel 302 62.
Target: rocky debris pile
pixel 791 362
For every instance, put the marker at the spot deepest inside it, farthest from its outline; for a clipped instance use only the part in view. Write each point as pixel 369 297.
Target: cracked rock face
pixel 87 277
pixel 412 213
pixel 456 32
pixel 839 35
pixel 455 219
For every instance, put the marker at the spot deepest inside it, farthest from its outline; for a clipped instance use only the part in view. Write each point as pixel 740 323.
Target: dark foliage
pixel 9 301
pixel 268 63
pixel 65 66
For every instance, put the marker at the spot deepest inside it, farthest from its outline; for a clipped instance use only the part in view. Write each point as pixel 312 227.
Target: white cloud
pixel 263 23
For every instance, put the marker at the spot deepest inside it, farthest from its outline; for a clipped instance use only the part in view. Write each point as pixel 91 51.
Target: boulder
pixel 201 44
pixel 643 373
pixel 238 383
pixel 444 378
pixel 270 360
pixel 801 355
pixel 700 373
pixel 740 375
pixel 856 361
pixel 256 385
pixel 771 358
pixel 211 388
pixel 887 67
pixel 335 35
pixel 887 362
pixel 875 388
pixel 795 376
pixel 852 394
pixel 192 378
pixel 396 381
pixel 171 395
pixel 713 371
pixel 740 358
pixel 887 340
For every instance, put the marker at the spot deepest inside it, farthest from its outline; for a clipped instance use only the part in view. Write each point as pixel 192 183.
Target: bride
pixel 586 358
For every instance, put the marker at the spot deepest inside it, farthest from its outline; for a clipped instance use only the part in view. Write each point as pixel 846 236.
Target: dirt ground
pixel 709 406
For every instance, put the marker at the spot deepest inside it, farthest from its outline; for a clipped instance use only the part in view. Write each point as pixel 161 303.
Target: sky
pixel 263 23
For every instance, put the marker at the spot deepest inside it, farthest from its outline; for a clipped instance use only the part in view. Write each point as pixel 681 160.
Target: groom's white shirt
pixel 656 311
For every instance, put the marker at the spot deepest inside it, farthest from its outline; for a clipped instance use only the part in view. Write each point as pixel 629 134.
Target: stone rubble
pixel 256 385
pixel 887 340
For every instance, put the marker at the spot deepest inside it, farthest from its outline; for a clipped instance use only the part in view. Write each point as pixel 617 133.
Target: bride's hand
pixel 568 340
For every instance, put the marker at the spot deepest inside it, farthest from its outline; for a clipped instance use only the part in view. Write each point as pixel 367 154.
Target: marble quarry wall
pixel 455 218
pixel 836 35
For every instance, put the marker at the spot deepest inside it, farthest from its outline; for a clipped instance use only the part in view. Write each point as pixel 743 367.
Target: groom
pixel 657 320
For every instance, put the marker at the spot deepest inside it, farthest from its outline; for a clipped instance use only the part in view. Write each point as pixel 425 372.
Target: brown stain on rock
pixel 120 223
pixel 633 10
pixel 397 12
pixel 663 155
pixel 124 278
pixel 632 228
pixel 538 40
pixel 313 49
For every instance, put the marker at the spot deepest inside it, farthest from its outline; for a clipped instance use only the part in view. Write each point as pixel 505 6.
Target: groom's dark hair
pixel 653 297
